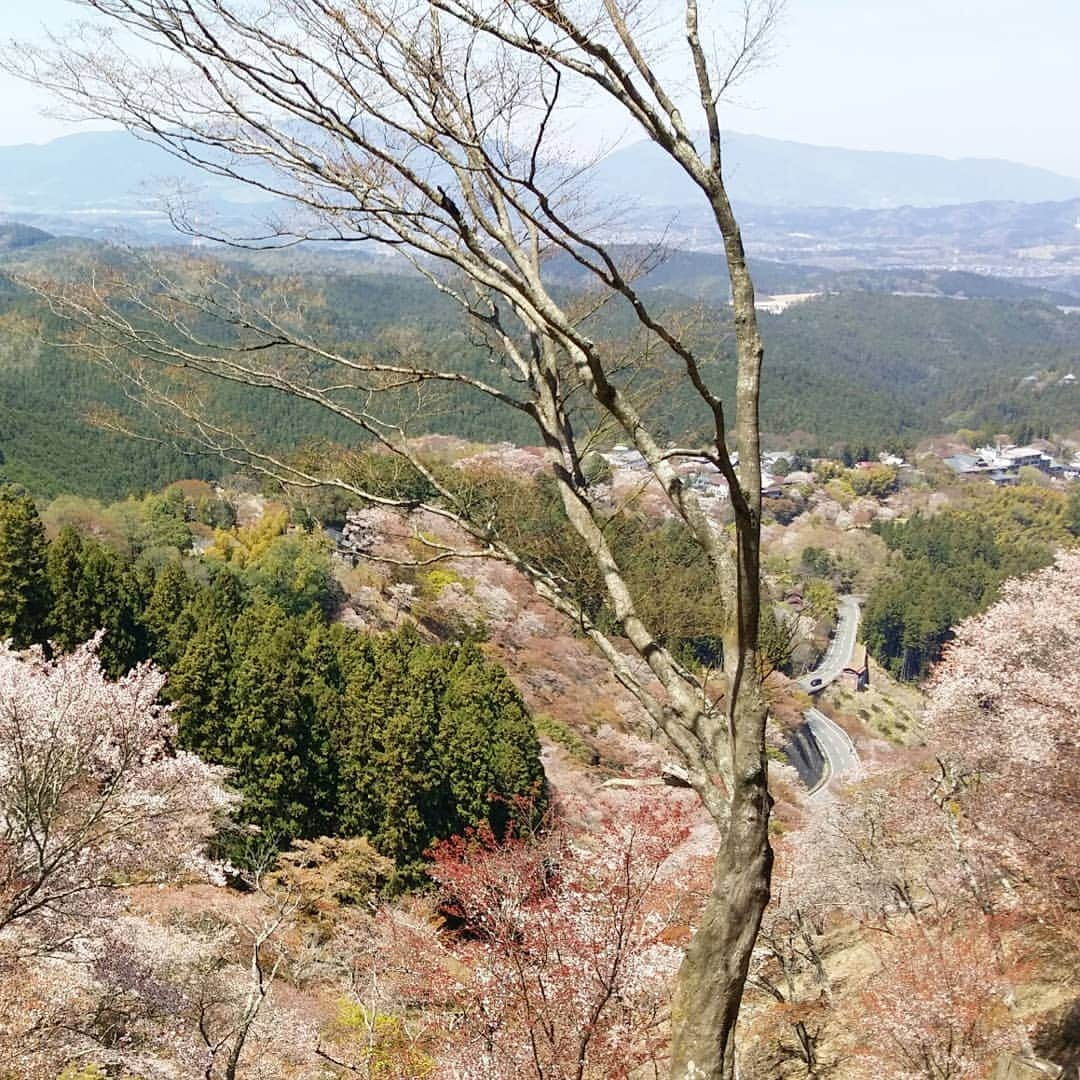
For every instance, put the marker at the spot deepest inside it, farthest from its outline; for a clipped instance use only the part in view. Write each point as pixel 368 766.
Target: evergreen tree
pixel 487 744
pixel 172 591
pixel 221 601
pixel 68 625
pixel 276 741
pixel 433 740
pixel 377 758
pixel 200 686
pixel 94 589
pixel 774 640
pixel 24 585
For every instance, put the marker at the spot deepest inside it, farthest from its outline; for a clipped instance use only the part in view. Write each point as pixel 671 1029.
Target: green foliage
pixel 329 732
pixel 818 561
pixel 774 639
pixel 158 521
pixel 241 546
pixel 293 571
pixel 596 469
pixel 154 529
pixel 950 567
pixel 24 585
pixel 665 569
pixel 436 579
pixel 564 735
pixel 434 739
pixel 827 470
pixel 326 731
pixel 276 738
pixel 783 511
pixel 173 590
pixel 877 481
pixel 92 588
pixel 201 686
pixel 380 1044
pixel 820 600
pixel 670 576
pixel 853 368
pixel 82 1072
pixel 214 512
pixel 48 441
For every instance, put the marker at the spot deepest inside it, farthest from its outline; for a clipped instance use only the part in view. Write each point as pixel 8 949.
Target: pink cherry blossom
pixel 93 792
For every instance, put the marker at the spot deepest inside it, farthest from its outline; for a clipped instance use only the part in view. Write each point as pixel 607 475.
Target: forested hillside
pixel 921 365
pixel 326 731
pixel 864 369
pixel 951 566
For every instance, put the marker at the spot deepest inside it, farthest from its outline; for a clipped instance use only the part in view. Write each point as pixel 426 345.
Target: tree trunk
pixel 713 973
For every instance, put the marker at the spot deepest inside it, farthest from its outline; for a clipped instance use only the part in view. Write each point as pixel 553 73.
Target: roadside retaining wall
pixel 805 755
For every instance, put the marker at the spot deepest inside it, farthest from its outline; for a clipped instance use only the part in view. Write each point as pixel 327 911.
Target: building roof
pixel 860 659
pixel 965 463
pixel 1013 452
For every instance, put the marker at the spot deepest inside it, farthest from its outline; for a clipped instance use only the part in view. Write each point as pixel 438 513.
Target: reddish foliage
pixel 570 947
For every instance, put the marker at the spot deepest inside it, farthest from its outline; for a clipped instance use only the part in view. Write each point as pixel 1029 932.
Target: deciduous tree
pixel 566 949
pixel 94 794
pixel 434 128
pixel 1005 705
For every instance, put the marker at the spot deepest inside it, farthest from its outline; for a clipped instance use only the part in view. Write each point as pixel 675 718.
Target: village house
pixel 856 673
pixel 1002 465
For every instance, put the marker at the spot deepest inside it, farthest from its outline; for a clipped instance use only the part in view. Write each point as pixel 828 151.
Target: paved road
pixel 838 753
pixel 840 648
pixel 836 746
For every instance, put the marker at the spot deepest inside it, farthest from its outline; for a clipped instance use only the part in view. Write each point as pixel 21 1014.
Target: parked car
pixel 815 682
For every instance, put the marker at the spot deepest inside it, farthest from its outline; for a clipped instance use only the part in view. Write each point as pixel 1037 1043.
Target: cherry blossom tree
pixel 936 1010
pixel 93 793
pixel 1004 713
pixel 942 858
pixel 567 946
pixel 94 799
pixel 192 994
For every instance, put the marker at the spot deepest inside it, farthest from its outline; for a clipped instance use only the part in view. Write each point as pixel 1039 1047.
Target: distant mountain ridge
pixel 14 235
pixel 775 172
pixel 95 170
pixel 115 172
pixel 982 217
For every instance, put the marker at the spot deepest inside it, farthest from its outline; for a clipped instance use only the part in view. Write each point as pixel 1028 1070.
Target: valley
pixel 467 615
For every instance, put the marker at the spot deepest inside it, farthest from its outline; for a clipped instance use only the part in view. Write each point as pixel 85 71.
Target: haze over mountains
pixel 774 172
pixel 886 351
pixel 114 170
pixel 834 208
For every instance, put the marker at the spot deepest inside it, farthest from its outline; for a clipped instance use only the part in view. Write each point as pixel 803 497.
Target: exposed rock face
pixel 805 755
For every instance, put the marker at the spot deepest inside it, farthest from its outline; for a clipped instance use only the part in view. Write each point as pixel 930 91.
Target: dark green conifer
pixel 94 589
pixel 24 585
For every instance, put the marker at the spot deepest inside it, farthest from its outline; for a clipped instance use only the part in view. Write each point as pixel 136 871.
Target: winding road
pixel 837 750
pixel 837 754
pixel 840 648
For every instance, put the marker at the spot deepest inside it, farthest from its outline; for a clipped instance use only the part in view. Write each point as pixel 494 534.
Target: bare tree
pixel 225 1014
pixel 433 127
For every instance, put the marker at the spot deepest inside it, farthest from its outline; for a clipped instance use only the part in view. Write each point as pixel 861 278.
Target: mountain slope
pixel 15 235
pixel 774 172
pixel 113 170
pixel 93 170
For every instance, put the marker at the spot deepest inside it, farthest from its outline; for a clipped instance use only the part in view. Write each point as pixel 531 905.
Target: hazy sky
pixel 986 78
